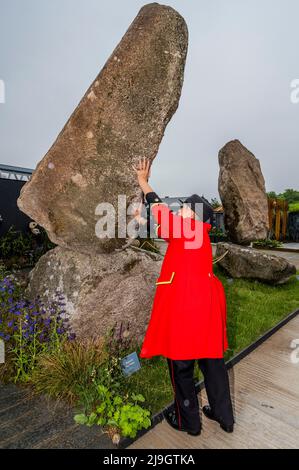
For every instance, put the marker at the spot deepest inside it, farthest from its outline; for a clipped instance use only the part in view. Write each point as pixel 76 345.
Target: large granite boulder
pixel 242 191
pixel 247 262
pixel 99 290
pixel 121 117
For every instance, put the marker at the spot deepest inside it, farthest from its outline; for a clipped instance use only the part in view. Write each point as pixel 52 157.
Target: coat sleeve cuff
pixel 152 197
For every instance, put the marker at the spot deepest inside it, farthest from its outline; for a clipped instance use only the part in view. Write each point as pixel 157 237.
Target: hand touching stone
pixel 143 169
pixel 143 173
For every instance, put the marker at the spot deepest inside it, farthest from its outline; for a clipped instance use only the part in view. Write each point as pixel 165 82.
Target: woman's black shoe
pixel 209 414
pixel 171 419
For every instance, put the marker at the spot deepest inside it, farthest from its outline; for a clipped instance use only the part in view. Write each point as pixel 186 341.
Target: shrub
pixel 294 207
pixel 266 242
pixel 107 401
pixel 117 411
pixel 20 249
pixel 217 235
pixel 69 373
pixel 29 328
pixel 14 243
pixel 87 373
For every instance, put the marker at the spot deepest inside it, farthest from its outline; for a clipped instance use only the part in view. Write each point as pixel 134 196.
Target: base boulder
pixel 247 262
pixel 99 290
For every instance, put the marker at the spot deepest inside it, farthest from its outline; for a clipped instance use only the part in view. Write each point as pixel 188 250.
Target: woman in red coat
pixel 188 318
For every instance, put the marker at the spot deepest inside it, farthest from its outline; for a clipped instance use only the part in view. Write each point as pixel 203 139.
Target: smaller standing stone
pixel 241 187
pixel 250 263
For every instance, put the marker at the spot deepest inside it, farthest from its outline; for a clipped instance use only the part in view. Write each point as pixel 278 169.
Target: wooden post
pixel 279 209
pixel 277 220
pixel 270 213
pixel 285 218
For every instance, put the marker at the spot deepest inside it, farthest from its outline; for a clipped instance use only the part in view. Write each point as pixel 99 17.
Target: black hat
pixel 207 211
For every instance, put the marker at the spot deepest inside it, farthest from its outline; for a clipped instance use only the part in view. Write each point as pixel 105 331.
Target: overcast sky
pixel 242 58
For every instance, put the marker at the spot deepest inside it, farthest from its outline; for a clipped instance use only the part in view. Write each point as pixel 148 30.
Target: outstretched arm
pixel 143 173
pixel 161 212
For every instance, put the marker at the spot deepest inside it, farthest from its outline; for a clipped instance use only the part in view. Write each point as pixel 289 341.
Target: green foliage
pixel 217 231
pixel 14 243
pixel 124 413
pixel 290 195
pixel 215 203
pixel 20 249
pixel 267 243
pixel 69 373
pixel 116 344
pixel 294 207
pixel 106 401
pixel 272 194
pixel 29 328
pixel 217 234
pixel 88 374
pixel 3 271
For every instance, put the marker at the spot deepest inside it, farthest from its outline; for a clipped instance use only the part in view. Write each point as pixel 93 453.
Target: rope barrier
pixel 220 257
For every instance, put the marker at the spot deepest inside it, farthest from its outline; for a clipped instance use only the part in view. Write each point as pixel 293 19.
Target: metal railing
pixel 15 172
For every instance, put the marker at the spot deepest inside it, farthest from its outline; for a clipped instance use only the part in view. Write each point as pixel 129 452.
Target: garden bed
pixel 279 248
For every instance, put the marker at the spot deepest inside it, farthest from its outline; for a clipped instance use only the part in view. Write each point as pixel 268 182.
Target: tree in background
pixel 290 195
pixel 215 203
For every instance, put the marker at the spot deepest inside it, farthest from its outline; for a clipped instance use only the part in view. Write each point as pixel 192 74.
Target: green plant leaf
pixel 81 419
pixel 92 419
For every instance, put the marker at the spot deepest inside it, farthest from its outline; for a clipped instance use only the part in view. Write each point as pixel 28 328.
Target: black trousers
pixel 186 400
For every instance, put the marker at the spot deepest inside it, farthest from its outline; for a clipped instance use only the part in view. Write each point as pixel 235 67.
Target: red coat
pixel 188 318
